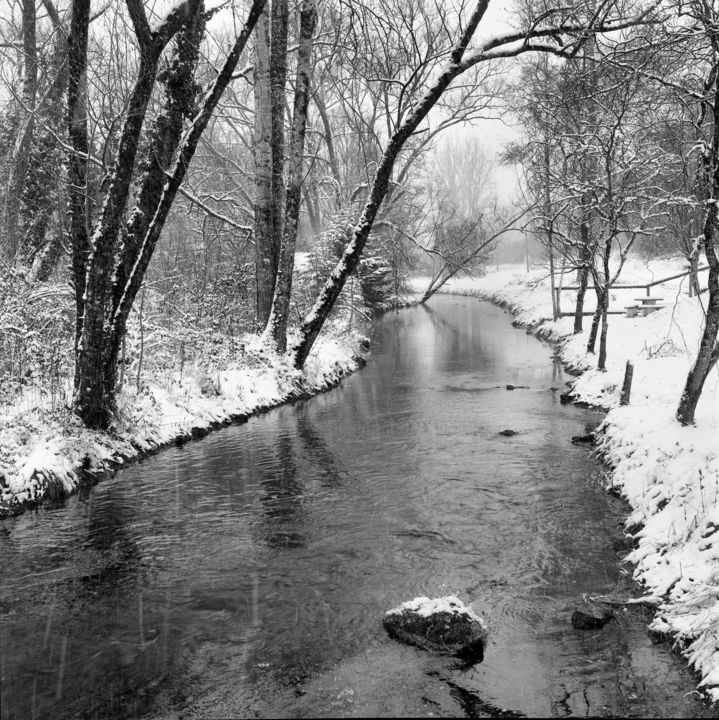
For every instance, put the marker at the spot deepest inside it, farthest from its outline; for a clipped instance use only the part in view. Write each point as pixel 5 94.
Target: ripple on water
pixel 247 573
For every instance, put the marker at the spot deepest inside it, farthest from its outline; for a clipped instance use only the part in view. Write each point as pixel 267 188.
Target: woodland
pixel 165 164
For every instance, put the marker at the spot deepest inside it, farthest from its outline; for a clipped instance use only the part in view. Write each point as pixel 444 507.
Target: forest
pixel 206 209
pixel 241 147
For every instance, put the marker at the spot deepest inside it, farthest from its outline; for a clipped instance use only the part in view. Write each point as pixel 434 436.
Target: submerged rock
pixel 508 433
pixel 444 625
pixel 591 617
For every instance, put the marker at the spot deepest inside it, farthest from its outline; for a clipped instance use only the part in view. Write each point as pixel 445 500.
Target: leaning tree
pixel 555 29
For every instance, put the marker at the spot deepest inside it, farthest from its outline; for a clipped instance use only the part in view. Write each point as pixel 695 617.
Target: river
pixel 246 573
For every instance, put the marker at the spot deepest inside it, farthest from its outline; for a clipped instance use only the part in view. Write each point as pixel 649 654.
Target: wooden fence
pixel 646 286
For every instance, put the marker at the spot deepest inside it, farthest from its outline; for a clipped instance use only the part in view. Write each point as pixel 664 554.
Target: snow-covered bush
pixel 35 339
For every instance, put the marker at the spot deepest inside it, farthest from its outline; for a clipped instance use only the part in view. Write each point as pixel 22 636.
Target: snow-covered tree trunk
pixel 278 98
pixel 265 257
pixel 596 318
pixel 24 140
pixel 123 267
pixel 77 160
pixel 708 352
pixel 43 239
pixel 277 324
pixel 602 361
pixel 582 278
pixel 133 253
pixel 94 399
pixel 550 226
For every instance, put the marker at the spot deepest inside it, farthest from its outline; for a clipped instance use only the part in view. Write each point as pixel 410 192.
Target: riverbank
pixel 668 473
pixel 46 453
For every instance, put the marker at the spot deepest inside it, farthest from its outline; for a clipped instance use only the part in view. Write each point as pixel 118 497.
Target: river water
pixel 246 574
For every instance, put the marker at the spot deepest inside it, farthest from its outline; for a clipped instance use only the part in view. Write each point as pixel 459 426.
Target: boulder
pixel 591 617
pixel 444 625
pixel 508 433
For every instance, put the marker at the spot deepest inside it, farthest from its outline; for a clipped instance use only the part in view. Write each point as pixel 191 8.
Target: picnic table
pixel 648 305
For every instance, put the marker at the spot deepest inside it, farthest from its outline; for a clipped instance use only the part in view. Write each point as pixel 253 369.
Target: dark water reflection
pixel 246 573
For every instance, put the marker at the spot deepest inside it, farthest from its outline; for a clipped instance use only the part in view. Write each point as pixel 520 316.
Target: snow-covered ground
pixel 668 473
pixel 44 449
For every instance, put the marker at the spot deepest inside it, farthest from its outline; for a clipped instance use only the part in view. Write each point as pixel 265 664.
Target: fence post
pixel 627 385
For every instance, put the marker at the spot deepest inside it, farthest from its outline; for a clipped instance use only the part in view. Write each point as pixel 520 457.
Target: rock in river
pixel 591 617
pixel 508 433
pixel 444 625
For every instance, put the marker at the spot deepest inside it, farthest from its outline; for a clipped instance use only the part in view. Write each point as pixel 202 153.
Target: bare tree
pixel 552 32
pixel 108 278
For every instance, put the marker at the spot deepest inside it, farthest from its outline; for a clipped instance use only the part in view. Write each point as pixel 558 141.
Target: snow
pixel 425 607
pixel 44 451
pixel 668 473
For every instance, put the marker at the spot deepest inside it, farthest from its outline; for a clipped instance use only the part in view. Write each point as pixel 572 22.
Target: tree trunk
pixel 277 324
pixel 42 240
pixel 582 279
pixel 694 288
pixel 94 395
pixel 93 401
pixel 278 96
pixel 184 155
pixel 331 153
pixel 24 141
pixel 263 201
pixel 77 160
pixel 592 341
pixel 708 350
pixel 602 364
pixel 550 229
pixel 708 353
pixel 164 138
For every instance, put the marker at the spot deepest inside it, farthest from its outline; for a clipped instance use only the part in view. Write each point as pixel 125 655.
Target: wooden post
pixel 627 385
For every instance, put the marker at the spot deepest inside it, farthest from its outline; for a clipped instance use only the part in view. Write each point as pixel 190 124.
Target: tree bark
pixel 582 279
pixel 77 161
pixel 331 153
pixel 263 202
pixel 24 141
pixel 278 80
pixel 602 363
pixel 164 138
pixel 708 352
pixel 94 401
pixel 592 340
pixel 277 323
pixel 550 227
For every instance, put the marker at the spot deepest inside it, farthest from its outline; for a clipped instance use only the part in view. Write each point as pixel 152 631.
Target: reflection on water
pixel 239 573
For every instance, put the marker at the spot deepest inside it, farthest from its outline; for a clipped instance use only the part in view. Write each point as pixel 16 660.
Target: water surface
pixel 247 573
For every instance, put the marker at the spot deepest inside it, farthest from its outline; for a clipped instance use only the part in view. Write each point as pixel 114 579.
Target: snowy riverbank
pixel 45 451
pixel 668 473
